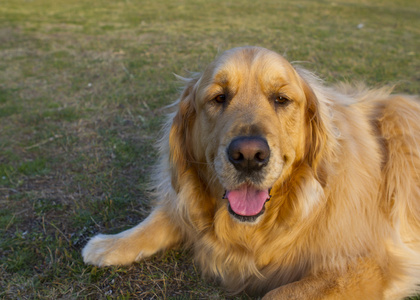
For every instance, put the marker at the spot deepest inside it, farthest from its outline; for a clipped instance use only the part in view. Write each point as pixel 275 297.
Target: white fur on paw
pixel 100 251
pixel 140 256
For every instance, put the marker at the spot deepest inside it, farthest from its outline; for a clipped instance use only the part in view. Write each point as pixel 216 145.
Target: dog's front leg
pixel 361 280
pixel 155 233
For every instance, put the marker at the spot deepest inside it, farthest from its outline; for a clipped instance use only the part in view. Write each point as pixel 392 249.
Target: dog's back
pixel 397 120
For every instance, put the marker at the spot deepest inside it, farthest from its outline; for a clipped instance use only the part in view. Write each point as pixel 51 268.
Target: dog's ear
pixel 317 134
pixel 180 150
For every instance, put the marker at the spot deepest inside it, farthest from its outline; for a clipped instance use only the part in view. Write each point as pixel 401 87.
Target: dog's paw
pixel 106 250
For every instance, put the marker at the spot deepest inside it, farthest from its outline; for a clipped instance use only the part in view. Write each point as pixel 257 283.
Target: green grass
pixel 81 87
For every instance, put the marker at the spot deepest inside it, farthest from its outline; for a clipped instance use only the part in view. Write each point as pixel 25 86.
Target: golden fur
pixel 343 221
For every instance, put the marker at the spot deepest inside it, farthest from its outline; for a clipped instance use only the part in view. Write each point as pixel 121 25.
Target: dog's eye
pixel 220 98
pixel 282 100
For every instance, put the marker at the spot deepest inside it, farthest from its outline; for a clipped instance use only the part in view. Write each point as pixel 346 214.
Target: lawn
pixel 82 86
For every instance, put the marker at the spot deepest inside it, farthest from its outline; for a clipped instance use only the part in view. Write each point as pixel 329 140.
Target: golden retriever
pixel 284 187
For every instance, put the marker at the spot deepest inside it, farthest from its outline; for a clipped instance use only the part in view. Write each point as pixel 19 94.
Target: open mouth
pixel 247 202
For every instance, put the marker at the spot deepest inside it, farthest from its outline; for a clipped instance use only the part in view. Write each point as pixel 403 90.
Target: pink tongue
pixel 247 201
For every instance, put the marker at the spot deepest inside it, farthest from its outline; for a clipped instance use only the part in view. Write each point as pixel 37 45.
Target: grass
pixel 82 84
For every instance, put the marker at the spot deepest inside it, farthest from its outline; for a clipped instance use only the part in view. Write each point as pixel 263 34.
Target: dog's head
pixel 242 126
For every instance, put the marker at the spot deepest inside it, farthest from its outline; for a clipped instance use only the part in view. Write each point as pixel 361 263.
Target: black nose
pixel 248 153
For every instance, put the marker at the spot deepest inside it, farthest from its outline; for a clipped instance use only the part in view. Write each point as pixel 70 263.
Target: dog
pixel 285 187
